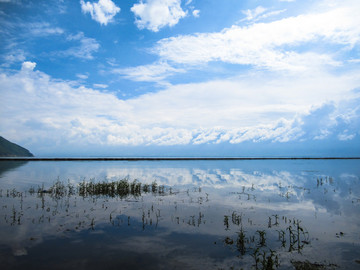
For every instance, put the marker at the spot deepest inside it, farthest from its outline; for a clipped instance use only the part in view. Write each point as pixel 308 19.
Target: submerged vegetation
pixel 254 242
pixel 306 265
pixel 122 188
pixel 291 237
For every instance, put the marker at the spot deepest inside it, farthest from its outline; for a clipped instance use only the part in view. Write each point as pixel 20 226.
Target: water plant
pixel 117 203
pixel 240 241
pixel 236 219
pixel 226 222
pixel 296 233
pixel 121 188
pixel 262 235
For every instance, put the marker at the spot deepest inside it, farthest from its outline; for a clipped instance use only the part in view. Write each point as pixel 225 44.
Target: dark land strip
pixel 163 158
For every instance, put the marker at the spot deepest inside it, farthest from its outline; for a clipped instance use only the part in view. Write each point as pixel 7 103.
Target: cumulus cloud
pixel 231 111
pixel 196 13
pixel 103 11
pixel 28 66
pixel 156 14
pixel 271 45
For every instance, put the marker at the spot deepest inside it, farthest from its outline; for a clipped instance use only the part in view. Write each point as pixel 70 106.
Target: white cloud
pixel 196 13
pixel 85 50
pixel 345 136
pixel 250 108
pixel 103 11
pixel 271 13
pixel 253 14
pixel 156 14
pixel 82 76
pixel 28 66
pixel 156 72
pixel 31 29
pixel 100 85
pixel 271 45
pixel 43 29
pixel 259 13
pixel 17 32
pixel 13 56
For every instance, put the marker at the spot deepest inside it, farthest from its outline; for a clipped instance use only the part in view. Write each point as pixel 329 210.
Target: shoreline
pixel 166 158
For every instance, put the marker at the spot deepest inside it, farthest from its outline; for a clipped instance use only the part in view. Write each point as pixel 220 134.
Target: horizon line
pixel 163 158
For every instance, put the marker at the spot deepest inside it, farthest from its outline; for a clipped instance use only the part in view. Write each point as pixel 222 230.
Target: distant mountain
pixel 9 149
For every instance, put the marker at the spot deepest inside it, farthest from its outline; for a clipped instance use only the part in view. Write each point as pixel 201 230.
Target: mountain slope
pixel 9 149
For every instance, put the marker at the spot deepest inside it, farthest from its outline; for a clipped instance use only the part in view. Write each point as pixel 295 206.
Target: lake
pixel 213 214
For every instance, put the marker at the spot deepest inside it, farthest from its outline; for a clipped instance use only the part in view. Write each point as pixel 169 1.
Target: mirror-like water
pixel 302 214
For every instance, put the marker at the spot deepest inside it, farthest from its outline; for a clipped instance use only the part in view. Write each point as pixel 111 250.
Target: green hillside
pixel 9 149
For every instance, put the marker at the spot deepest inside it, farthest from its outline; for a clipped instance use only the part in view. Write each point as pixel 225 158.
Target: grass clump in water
pixel 122 188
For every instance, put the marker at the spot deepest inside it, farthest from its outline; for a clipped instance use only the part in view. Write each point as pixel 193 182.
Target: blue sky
pixel 181 77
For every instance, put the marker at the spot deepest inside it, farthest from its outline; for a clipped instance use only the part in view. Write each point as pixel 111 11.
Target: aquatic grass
pixel 262 235
pixel 58 189
pixel 265 260
pixel 292 237
pixel 100 197
pixel 282 237
pixel 122 188
pixel 64 195
pixel 226 222
pixel 306 265
pixel 296 233
pixel 236 219
pixel 241 241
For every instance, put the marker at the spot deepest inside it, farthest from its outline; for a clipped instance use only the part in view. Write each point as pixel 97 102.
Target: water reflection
pixel 9 165
pixel 184 215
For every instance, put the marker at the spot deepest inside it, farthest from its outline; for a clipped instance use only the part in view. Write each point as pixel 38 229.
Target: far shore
pixel 163 158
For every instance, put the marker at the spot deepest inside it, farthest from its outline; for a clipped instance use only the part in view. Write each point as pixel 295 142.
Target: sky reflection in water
pixel 209 215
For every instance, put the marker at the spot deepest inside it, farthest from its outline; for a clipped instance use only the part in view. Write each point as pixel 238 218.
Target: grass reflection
pixel 91 206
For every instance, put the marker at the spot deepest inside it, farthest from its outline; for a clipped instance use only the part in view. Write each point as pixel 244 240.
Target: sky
pixel 181 77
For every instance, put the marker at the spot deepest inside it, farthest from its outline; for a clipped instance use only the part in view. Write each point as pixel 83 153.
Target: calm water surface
pixel 184 215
